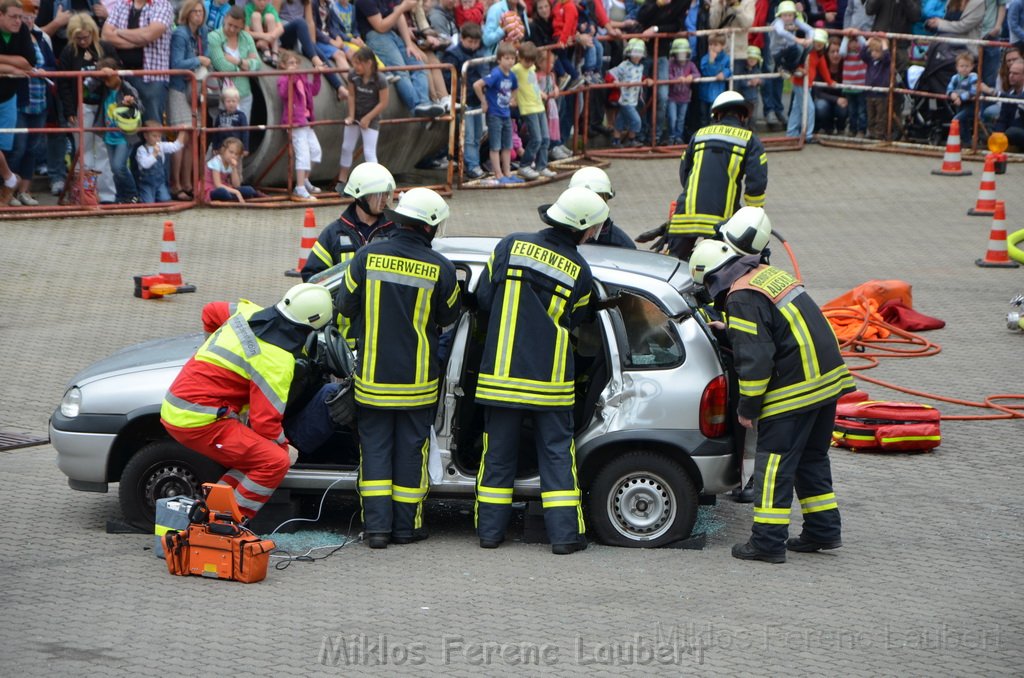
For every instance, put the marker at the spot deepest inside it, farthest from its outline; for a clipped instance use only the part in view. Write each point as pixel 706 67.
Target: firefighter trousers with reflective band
pixel 393 447
pixel 556 460
pixel 792 453
pixel 256 466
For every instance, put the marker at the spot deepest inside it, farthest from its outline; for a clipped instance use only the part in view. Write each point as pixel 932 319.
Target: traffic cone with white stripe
pixel 306 245
pixel 986 203
pixel 170 267
pixel 951 166
pixel 997 256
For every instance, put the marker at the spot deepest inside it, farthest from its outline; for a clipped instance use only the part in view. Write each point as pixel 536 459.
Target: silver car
pixel 652 432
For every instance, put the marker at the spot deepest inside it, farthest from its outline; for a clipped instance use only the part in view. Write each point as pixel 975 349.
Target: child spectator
pixel 548 83
pixel 714 64
pixel 330 45
pixel 630 70
pixel 469 11
pixel 682 71
pixel 751 89
pixel 532 115
pixel 963 89
pixel 542 33
pixel 223 178
pixel 564 21
pixel 496 93
pixel 153 163
pixel 854 71
pixel 228 118
pixel 368 97
pixel 817 69
pixel 297 92
pixel 875 54
pixel 118 99
pixel 264 25
pixel 216 10
pixel 469 47
pixel 788 50
pixel 591 19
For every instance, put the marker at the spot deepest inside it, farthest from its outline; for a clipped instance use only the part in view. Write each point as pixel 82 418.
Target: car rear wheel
pixel 162 469
pixel 642 500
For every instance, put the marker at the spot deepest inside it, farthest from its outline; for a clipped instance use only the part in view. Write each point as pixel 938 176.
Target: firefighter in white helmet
pixel 536 289
pixel 398 293
pixel 790 374
pixel 246 369
pixel 596 179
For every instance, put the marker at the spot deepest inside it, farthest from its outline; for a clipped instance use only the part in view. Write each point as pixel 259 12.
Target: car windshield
pixel 330 278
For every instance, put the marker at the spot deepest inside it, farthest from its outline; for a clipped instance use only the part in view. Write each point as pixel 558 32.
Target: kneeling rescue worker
pixel 398 294
pixel 243 372
pixel 790 376
pixel 536 288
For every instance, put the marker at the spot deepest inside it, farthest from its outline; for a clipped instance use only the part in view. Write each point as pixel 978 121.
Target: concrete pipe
pixel 399 147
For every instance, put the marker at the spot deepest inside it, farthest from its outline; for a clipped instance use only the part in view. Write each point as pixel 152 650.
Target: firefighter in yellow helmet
pixel 790 376
pixel 536 289
pixel 724 163
pixel 398 293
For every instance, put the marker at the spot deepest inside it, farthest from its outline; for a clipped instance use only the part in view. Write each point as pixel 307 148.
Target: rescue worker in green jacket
pixel 536 289
pixel 399 293
pixel 790 374
pixel 723 162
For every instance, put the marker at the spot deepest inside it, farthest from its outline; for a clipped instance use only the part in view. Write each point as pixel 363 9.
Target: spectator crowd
pixel 522 105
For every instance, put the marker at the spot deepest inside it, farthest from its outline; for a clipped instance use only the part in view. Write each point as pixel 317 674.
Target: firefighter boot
pixel 748 552
pixel 802 545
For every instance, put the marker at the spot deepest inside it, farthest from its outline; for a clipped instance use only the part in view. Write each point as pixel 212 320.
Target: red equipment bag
pixel 885 426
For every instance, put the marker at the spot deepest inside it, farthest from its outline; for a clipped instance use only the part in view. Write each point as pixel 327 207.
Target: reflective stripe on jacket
pixel 233 373
pixel 722 158
pixel 536 287
pixel 398 293
pixel 786 355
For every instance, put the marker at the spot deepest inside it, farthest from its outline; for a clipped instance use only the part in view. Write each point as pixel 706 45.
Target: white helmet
pixel 709 256
pixel 747 231
pixel 594 178
pixel 730 99
pixel 420 207
pixel 368 178
pixel 578 209
pixel 307 304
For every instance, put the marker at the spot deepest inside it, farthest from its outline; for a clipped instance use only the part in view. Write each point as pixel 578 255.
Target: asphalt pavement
pixel 929 581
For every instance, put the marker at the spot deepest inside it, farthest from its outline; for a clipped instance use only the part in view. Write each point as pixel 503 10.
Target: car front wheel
pixel 642 500
pixel 162 469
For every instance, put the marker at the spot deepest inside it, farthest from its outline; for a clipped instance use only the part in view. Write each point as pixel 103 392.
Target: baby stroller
pixel 929 118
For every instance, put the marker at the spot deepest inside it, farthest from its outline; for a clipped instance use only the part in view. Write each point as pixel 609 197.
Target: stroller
pixel 928 120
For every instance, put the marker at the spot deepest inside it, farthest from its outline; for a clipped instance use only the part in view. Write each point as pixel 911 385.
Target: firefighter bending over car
pixel 723 159
pixel 244 371
pixel 596 179
pixel 790 376
pixel 536 289
pixel 398 294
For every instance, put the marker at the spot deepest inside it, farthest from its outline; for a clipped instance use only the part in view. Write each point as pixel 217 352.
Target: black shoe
pixel 417 535
pixel 571 547
pixel 748 552
pixel 746 495
pixel 801 545
pixel 378 540
pixel 491 543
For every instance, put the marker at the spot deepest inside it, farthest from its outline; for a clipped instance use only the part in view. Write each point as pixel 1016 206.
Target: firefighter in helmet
pixel 536 289
pixel 596 179
pixel 724 162
pixel 790 376
pixel 398 293
pixel 244 372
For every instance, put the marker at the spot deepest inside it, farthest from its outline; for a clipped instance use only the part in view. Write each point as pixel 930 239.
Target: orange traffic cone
pixel 996 256
pixel 986 204
pixel 308 240
pixel 951 160
pixel 170 268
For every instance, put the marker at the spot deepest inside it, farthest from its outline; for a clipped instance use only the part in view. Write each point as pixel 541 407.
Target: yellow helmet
pixel 127 118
